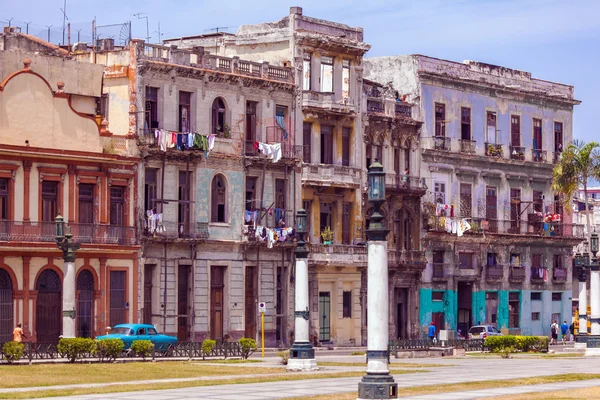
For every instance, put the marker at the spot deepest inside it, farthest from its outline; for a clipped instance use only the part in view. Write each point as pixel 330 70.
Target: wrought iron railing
pixel 45 231
pixel 539 274
pixel 493 150
pixel 468 146
pixel 426 344
pixel 375 106
pixel 517 274
pixel 176 230
pixel 403 109
pixel 538 155
pixel 559 275
pixel 517 153
pixel 441 143
pixel 404 182
pixel 494 272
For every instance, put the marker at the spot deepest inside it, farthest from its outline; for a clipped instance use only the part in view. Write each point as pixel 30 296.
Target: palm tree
pixel 578 163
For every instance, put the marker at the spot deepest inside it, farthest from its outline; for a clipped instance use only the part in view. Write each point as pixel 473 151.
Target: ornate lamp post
pixel 582 278
pixel 302 355
pixel 378 383
pixel 65 243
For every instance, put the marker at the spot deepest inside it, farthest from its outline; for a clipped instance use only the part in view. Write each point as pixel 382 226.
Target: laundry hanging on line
pixel 271 150
pixel 184 141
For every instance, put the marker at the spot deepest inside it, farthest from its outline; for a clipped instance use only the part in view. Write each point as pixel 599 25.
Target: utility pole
pixel 9 20
pixel 78 32
pixel 159 35
pixel 145 16
pixel 27 27
pixel 49 26
pixel 64 11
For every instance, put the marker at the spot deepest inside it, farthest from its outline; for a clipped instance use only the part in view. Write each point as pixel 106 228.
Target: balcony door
pixel 86 212
pixel 326 219
pixel 250 124
pixel 117 212
pixel 515 130
pixel 183 302
pixel 326 144
pixel 491 208
pixel 50 190
pixel 515 210
pixel 346 223
pixel 217 288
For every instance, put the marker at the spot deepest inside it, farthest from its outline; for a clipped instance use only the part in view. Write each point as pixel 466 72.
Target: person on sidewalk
pixel 554 332
pixel 431 332
pixel 572 331
pixel 18 334
pixel 564 329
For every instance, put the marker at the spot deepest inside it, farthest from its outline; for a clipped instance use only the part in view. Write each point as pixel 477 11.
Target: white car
pixel 483 331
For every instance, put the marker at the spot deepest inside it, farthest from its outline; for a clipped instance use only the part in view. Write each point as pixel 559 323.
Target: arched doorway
pixel 48 318
pixel 85 304
pixel 6 307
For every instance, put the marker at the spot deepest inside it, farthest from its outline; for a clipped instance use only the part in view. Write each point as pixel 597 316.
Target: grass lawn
pixel 392 364
pixel 64 374
pixel 527 355
pixel 459 387
pixel 587 393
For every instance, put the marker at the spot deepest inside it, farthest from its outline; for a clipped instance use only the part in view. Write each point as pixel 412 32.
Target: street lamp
pixel 377 383
pixel 594 244
pixel 302 355
pixel 65 242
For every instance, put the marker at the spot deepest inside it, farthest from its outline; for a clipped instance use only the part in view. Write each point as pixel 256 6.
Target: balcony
pixel 326 101
pixel 27 231
pixel 331 175
pixel 403 109
pixel 493 150
pixel 559 275
pixel 467 146
pixel 556 156
pixel 539 274
pixel 288 151
pixel 375 106
pixel 406 258
pixel 494 272
pixel 538 155
pixel 441 143
pixel 176 231
pixel 438 271
pixel 338 255
pixel 517 274
pixel 517 153
pixel 404 183
pixel 513 227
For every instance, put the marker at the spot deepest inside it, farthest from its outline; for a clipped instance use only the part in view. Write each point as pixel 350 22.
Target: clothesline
pixel 270 235
pixel 184 140
pixel 271 150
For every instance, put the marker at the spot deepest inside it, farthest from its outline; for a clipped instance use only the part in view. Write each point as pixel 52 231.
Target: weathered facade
pixel 392 138
pixel 327 60
pixel 56 160
pixel 489 140
pixel 209 208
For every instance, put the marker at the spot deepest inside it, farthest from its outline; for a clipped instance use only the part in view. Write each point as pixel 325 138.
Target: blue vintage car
pixel 130 332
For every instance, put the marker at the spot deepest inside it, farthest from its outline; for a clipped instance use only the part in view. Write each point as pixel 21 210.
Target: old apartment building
pixel 56 158
pixel 392 137
pixel 217 191
pixel 498 245
pixel 326 58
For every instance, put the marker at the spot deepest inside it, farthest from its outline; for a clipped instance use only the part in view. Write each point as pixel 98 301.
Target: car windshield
pixel 152 331
pixel 477 329
pixel 121 331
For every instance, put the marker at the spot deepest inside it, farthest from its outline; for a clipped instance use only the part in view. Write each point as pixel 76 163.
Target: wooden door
pixel 217 285
pixel 85 304
pixel 515 130
pixel 439 321
pixel 6 307
pixel 306 140
pixel 491 208
pixel 183 303
pixel 515 210
pixel 250 303
pixel 346 223
pixel 118 311
pixel 324 317
pixel 148 269
pixel 48 320
pixel 346 146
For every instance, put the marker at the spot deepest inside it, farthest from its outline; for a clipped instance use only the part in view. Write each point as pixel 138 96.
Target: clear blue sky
pixel 557 40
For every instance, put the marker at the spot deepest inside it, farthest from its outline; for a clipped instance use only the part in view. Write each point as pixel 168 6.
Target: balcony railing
pixel 559 275
pixel 513 227
pixel 556 156
pixel 288 151
pixel 403 109
pixel 517 274
pixel 338 254
pixel 326 100
pixel 404 182
pixel 27 231
pixel 375 106
pixel 406 257
pixel 493 150
pixel 538 155
pixel 494 272
pixel 169 230
pixel 441 143
pixel 539 274
pixel 331 174
pixel 517 153
pixel 467 146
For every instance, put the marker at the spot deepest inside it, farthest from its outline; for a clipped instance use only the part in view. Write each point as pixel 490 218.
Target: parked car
pixel 483 331
pixel 130 332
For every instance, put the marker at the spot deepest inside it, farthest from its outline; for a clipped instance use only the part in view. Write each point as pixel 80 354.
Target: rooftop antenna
pixel 27 27
pixel 217 30
pixel 9 20
pixel 78 33
pixel 65 18
pixel 160 34
pixel 49 26
pixel 144 16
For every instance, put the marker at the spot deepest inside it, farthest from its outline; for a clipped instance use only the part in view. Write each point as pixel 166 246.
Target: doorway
pixel 6 307
pixel 85 304
pixel 48 319
pixel 401 313
pixel 465 306
pixel 217 286
pixel 183 302
pixel 438 320
pixel 148 271
pixel 249 303
pixel 491 307
pixel 324 317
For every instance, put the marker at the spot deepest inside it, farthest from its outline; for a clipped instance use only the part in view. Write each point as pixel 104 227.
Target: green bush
pixel 510 343
pixel 109 349
pixel 142 347
pixel 76 348
pixel 248 347
pixel 13 351
pixel 207 346
pixel 496 344
pixel 285 356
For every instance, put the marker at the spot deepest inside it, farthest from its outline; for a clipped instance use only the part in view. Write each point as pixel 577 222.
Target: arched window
pixel 6 307
pixel 85 304
pixel 218 116
pixel 218 199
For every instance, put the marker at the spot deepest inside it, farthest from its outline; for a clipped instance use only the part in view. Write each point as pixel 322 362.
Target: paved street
pixel 461 370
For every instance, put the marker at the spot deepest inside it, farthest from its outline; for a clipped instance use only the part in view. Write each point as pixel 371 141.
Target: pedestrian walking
pixel 18 334
pixel 572 331
pixel 554 332
pixel 564 329
pixel 431 332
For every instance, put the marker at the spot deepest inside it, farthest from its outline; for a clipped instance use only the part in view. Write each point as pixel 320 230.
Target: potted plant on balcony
pixel 327 235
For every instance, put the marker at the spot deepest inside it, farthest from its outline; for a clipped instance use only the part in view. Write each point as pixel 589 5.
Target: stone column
pixel 68 300
pixel 595 299
pixel 582 276
pixel 302 355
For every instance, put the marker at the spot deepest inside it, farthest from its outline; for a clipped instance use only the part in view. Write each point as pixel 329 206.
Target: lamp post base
pixel 377 386
pixel 302 358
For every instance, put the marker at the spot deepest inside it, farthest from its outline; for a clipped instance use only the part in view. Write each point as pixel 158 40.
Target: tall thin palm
pixel 579 162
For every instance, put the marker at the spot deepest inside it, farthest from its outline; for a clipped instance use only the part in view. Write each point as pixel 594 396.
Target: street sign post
pixel 262 308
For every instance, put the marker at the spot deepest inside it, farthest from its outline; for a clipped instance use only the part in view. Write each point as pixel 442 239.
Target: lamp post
pixel 65 242
pixel 377 383
pixel 302 355
pixel 582 278
pixel 595 286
